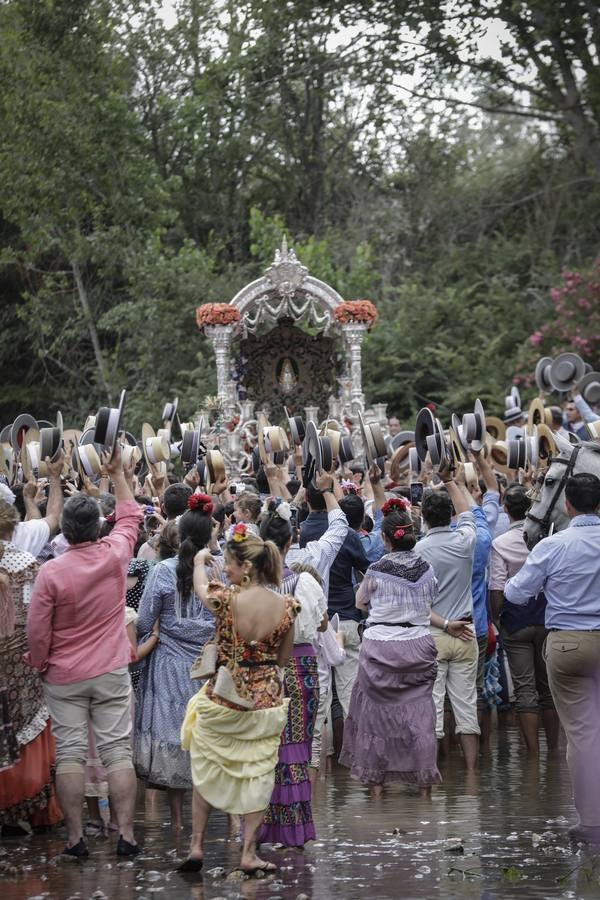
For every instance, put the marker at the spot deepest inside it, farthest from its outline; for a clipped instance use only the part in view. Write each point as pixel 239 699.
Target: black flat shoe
pixel 124 848
pixel 78 850
pixel 191 865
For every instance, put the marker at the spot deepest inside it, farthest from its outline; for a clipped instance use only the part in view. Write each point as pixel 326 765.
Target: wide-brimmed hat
pixel 424 426
pixel 169 412
pixel 296 426
pixel 373 442
pixel 566 370
pixel 156 450
pixel 190 447
pixel 471 479
pixel 437 446
pixel 542 374
pixel 495 427
pixel 108 424
pixel 400 440
pixel 589 388
pixel 51 441
pixel 399 462
pixel 513 415
pixel 7 461
pixel 272 440
pixel 457 449
pixel 512 399
pixel 499 456
pixel 547 446
pixel 473 427
pixel 30 454
pixel 538 415
pixel 593 430
pixel 318 455
pixel 18 428
pixel 516 457
pixel 215 466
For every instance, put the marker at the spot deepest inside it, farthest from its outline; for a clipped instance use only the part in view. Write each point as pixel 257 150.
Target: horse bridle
pixel 569 465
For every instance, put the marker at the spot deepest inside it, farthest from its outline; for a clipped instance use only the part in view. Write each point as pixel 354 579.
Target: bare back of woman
pixel 258 612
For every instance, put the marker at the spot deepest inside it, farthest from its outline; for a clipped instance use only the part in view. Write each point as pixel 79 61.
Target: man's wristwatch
pixel 445 626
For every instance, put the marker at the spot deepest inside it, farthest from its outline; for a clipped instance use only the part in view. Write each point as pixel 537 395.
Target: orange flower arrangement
pixel 356 311
pixel 216 314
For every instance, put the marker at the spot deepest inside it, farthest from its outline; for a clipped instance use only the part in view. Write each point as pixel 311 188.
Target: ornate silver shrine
pixel 286 297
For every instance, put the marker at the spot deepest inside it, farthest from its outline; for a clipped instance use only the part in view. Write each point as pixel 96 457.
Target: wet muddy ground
pixel 499 834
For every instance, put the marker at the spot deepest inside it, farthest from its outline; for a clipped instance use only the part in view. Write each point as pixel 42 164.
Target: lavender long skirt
pixel 289 819
pixel 389 734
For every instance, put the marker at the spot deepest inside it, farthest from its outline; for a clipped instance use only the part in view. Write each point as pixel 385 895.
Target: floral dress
pixel 257 660
pixel 27 750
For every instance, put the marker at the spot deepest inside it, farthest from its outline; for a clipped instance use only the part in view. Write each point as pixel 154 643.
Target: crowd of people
pixel 214 638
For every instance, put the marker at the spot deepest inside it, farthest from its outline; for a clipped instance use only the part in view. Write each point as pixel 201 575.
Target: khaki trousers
pixel 573 663
pixel 456 675
pixel 105 701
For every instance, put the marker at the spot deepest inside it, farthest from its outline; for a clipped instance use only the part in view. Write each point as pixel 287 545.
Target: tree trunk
pixel 87 312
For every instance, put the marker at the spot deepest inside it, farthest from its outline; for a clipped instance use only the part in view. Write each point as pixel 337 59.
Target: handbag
pixel 205 664
pixel 228 684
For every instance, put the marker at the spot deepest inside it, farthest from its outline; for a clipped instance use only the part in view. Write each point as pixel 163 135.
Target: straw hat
pixel 538 415
pixel 566 370
pixel 156 450
pixel 108 422
pixel 514 414
pixel 457 449
pixel 400 460
pixel 471 479
pixel 546 444
pixel 272 439
pixel 495 427
pixel 499 456
pixel 215 466
pixel 593 429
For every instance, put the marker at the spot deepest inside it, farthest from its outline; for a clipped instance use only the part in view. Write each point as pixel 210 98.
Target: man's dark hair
pixel 175 499
pixel 583 492
pixel 316 500
pixel 80 520
pixel 437 509
pixel 353 508
pixel 293 486
pixel 557 416
pixel 516 502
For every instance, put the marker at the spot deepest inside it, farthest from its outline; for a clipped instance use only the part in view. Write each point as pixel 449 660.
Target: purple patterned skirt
pixel 389 734
pixel 289 819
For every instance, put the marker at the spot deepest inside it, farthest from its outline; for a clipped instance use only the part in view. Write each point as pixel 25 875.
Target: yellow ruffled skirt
pixel 233 752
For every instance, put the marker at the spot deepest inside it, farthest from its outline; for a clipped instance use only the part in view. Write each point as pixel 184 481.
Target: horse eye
pixel 549 481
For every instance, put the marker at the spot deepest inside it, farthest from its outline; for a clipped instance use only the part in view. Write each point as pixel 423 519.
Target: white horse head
pixel 548 506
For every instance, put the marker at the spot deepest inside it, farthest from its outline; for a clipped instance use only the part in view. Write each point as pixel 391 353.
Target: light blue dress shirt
pixel 566 566
pixel 372 543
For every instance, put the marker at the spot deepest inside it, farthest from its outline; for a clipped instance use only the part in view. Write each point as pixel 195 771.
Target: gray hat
pixel 513 415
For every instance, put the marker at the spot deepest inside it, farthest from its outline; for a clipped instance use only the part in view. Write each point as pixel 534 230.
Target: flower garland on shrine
pixel 216 314
pixel 356 311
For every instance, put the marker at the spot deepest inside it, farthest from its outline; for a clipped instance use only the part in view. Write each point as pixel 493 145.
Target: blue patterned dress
pixel 166 686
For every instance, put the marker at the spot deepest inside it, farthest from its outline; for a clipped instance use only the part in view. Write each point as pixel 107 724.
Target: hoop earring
pixel 245 581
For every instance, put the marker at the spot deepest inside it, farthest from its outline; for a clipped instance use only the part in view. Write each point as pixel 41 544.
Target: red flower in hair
pixel 399 533
pixel 395 503
pixel 201 502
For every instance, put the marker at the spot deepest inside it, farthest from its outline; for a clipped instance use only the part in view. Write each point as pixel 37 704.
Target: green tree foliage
pixel 146 168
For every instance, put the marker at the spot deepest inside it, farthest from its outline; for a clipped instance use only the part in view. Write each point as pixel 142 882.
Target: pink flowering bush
pixel 573 326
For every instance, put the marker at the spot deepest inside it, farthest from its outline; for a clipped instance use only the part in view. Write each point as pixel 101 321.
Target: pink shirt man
pixel 76 625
